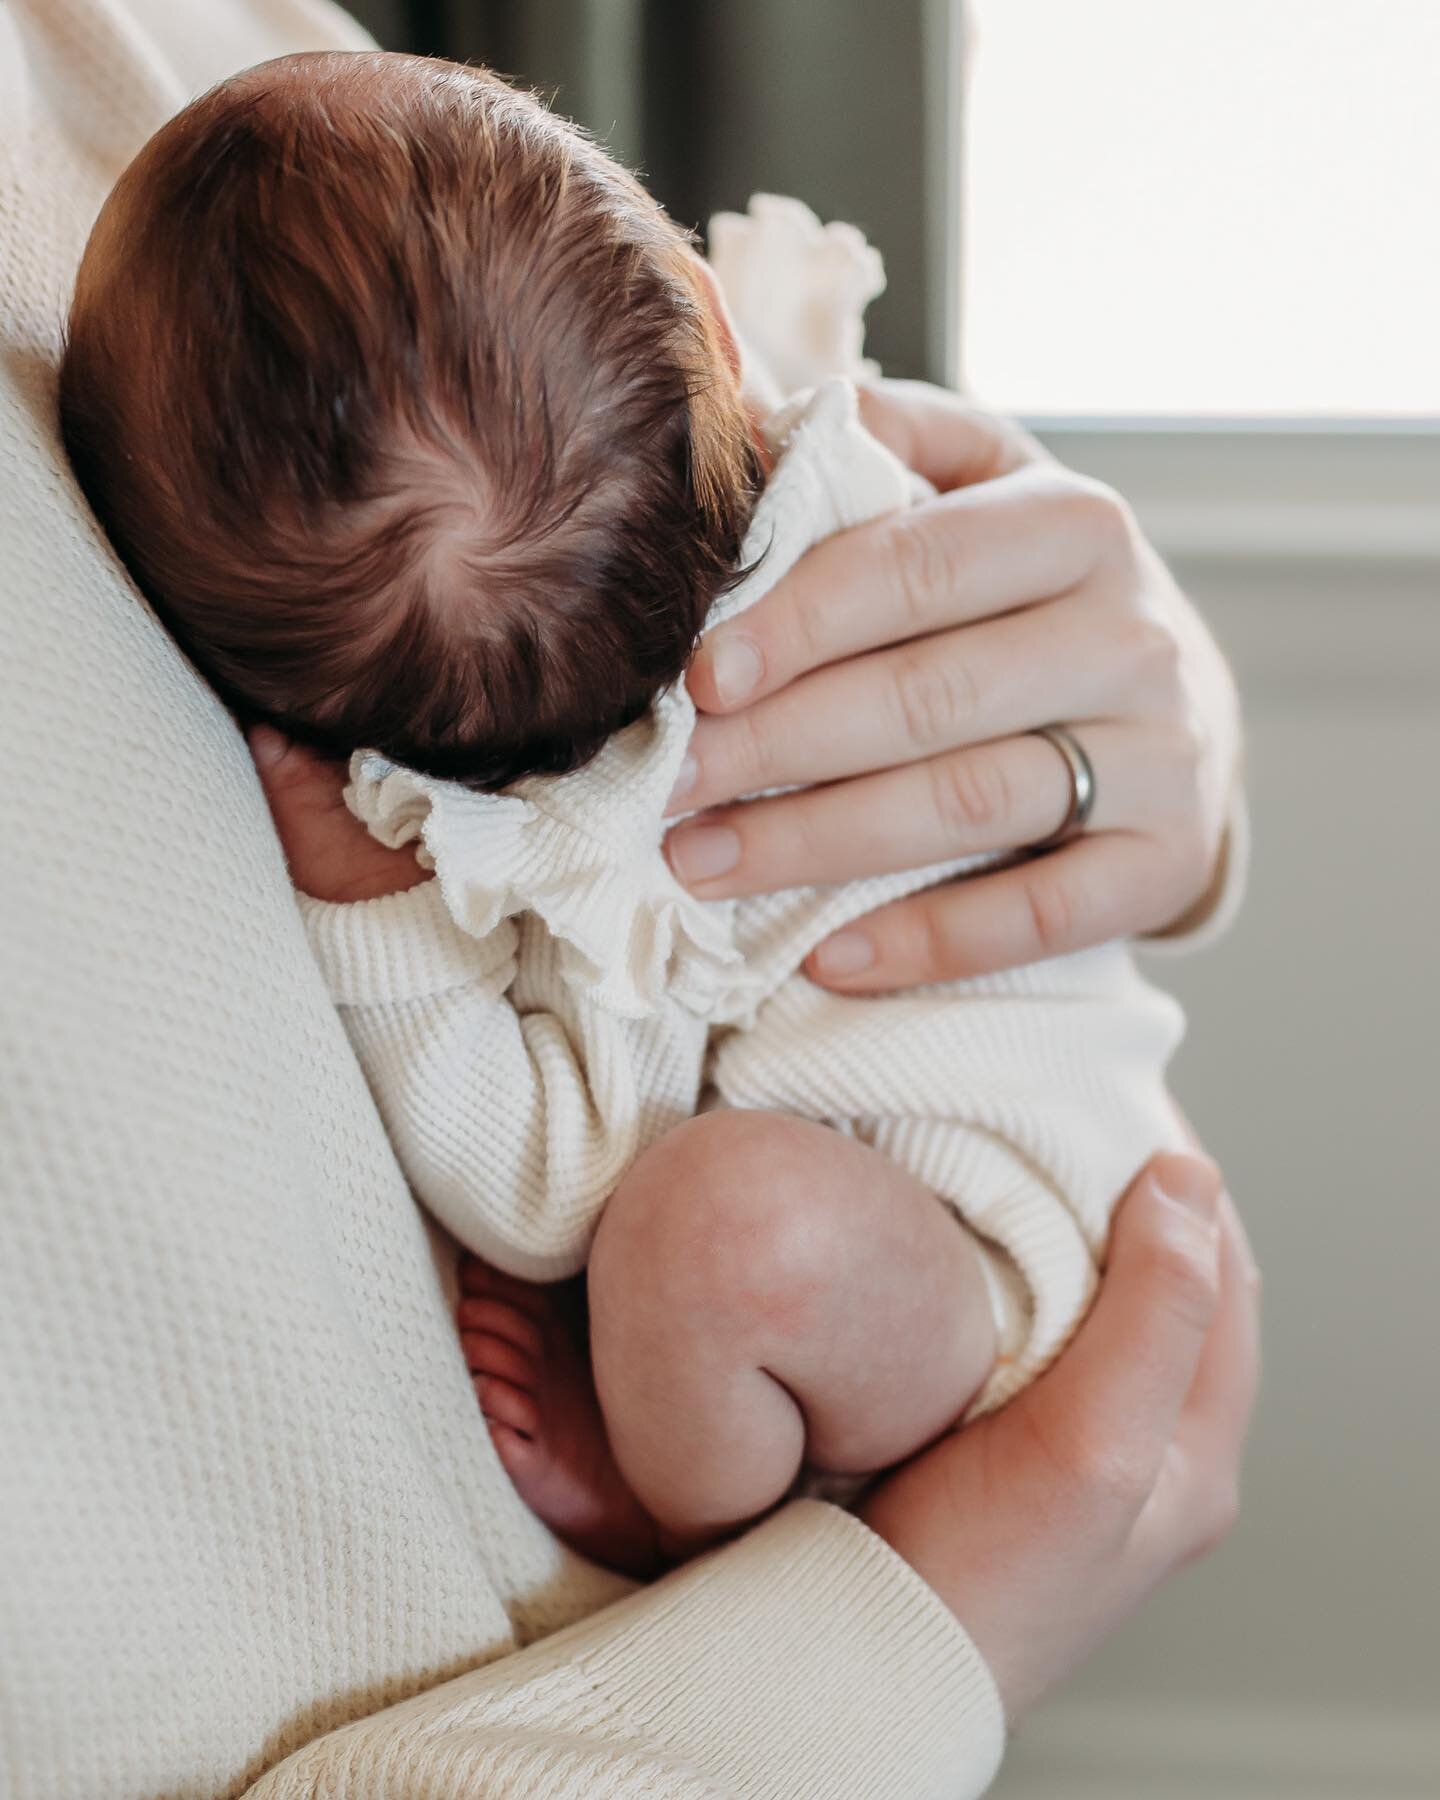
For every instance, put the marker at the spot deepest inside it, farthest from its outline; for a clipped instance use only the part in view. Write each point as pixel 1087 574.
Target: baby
pixel 422 428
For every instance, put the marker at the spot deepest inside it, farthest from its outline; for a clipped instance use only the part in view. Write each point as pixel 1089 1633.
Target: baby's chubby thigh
pixel 766 1291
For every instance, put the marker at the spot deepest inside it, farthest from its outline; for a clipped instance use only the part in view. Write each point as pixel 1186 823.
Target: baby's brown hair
pixel 405 407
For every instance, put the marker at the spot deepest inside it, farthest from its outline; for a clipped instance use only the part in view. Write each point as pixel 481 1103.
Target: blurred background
pixel 1197 243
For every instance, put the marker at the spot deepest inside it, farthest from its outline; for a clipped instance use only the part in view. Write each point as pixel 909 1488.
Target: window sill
pixel 1232 491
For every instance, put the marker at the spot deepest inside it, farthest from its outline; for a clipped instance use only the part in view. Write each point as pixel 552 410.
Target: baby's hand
pixel 330 853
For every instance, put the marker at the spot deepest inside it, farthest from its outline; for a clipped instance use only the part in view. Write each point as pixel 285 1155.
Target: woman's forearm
pixel 804 1660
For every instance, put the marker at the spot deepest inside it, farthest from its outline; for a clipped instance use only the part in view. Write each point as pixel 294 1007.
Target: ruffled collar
pixel 582 852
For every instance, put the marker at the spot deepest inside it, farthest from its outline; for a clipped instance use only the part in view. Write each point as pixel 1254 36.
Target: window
pixel 1203 207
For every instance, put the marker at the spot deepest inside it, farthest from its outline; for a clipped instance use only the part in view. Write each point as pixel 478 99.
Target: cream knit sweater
pixel 555 1001
pixel 247 1505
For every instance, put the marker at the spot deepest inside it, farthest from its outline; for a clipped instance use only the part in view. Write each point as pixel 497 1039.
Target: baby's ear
pixel 714 297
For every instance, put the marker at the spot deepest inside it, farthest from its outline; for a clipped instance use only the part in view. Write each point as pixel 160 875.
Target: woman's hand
pixel 899 668
pixel 331 856
pixel 1044 1525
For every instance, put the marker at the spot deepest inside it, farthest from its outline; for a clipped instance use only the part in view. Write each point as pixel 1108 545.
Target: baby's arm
pixel 513 1113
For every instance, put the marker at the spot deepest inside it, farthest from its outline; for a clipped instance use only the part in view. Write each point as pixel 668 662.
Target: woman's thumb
pixel 1122 1382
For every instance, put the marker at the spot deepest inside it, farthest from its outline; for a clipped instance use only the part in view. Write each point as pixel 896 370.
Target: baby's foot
pixel 527 1351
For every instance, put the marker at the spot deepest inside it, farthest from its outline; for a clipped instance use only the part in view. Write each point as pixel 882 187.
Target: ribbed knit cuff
pixel 805 1659
pixel 398 948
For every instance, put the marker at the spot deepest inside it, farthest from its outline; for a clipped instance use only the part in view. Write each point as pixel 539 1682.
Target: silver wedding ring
pixel 1082 785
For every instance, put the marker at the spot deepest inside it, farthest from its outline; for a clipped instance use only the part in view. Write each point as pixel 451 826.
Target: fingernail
pixel 701 852
pixel 1187 1182
pixel 684 782
pixel 847 953
pixel 736 667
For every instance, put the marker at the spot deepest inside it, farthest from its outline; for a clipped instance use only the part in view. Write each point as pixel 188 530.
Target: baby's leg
pixel 764 1290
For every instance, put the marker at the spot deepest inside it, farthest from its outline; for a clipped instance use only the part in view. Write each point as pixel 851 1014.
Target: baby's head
pixel 410 411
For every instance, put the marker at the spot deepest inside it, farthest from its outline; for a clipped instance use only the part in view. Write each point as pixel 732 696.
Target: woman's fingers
pixel 986 799
pixel 1063 661
pixel 1108 1411
pixel 966 686
pixel 1089 892
pixel 943 437
pixel 967 555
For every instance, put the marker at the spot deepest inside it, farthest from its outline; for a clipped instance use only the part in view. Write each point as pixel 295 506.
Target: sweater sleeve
pixel 803 1661
pixel 513 1116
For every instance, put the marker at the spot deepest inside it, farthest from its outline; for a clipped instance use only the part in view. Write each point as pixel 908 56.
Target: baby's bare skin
pixel 762 1292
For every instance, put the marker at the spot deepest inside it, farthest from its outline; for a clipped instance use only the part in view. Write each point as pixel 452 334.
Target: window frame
pixel 1223 489
pixel 1255 491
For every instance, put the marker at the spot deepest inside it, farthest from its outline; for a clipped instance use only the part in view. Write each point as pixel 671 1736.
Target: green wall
pixel 842 102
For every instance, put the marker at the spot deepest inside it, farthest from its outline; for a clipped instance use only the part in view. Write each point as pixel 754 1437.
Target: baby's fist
pixel 331 855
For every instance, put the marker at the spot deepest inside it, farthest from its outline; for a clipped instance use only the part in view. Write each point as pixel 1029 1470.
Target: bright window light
pixel 1203 207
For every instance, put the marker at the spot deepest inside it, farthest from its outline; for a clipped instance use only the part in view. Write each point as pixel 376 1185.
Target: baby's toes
pixel 507 1406
pixel 501 1320
pixel 482 1281
pixel 487 1353
pixel 520 1456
